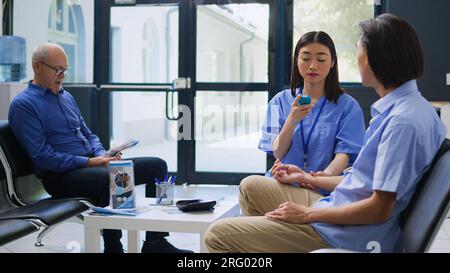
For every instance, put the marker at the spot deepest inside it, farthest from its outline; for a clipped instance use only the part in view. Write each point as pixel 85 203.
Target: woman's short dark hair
pixel 332 89
pixel 393 49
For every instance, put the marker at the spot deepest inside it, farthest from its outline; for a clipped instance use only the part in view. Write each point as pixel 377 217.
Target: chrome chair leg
pixel 41 235
pixel 46 229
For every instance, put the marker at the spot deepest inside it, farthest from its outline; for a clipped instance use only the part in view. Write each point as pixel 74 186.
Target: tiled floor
pixel 69 236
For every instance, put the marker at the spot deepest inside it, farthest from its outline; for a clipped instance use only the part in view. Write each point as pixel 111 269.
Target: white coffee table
pixel 158 218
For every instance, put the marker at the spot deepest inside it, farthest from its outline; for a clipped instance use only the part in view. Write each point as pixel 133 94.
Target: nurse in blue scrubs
pixel 324 137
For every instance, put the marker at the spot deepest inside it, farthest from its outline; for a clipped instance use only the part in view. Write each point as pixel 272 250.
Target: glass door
pixel 230 87
pixel 190 80
pixel 143 63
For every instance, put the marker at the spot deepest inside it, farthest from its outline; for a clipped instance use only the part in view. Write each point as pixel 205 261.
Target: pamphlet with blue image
pixel 117 150
pixel 121 184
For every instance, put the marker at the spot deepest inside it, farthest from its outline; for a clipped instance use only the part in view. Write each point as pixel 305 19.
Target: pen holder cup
pixel 164 194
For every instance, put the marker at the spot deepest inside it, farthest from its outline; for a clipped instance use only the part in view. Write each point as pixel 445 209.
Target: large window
pixel 338 18
pixel 228 129
pixel 238 52
pixel 62 30
pixel 141 116
pixel 145 49
pixel 68 23
pixel 227 123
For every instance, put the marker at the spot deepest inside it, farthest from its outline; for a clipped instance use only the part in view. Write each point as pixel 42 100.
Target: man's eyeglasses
pixel 59 70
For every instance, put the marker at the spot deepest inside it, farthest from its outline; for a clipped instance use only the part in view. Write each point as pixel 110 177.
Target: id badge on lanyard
pixel 306 143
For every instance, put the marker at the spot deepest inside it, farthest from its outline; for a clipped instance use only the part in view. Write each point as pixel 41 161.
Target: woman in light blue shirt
pixel 363 211
pixel 324 136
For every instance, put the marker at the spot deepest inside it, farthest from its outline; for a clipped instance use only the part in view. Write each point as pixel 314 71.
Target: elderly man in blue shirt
pixel 65 153
pixel 364 209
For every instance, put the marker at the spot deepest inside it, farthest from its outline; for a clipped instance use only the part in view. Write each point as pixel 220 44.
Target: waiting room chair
pixel 24 196
pixel 427 209
pixel 12 229
pixel 429 206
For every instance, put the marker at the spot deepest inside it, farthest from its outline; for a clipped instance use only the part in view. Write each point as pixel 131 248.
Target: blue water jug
pixel 12 58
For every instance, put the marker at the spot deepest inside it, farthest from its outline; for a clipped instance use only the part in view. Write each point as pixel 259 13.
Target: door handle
pixel 177 84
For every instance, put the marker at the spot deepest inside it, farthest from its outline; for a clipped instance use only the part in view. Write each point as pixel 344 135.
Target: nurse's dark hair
pixel 332 89
pixel 393 49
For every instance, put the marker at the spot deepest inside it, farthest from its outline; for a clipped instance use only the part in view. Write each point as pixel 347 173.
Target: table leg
pixel 91 240
pixel 203 248
pixel 133 241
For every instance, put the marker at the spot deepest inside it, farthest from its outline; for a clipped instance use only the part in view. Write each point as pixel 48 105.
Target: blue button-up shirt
pixel 51 129
pixel 339 129
pixel 402 139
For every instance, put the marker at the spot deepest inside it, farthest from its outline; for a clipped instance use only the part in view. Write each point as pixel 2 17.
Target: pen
pixel 163 192
pixel 164 186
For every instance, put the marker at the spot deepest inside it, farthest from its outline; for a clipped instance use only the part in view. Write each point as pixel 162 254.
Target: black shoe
pixel 162 246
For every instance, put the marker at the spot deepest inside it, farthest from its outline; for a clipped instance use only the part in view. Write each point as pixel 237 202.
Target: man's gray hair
pixel 40 53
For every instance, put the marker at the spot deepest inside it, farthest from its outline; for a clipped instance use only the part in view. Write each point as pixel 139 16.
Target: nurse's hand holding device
pixel 301 107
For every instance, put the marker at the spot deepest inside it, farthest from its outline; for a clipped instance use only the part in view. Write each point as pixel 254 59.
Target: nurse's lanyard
pixel 305 143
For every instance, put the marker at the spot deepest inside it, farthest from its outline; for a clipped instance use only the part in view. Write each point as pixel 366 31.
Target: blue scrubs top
pixel 403 136
pixel 340 128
